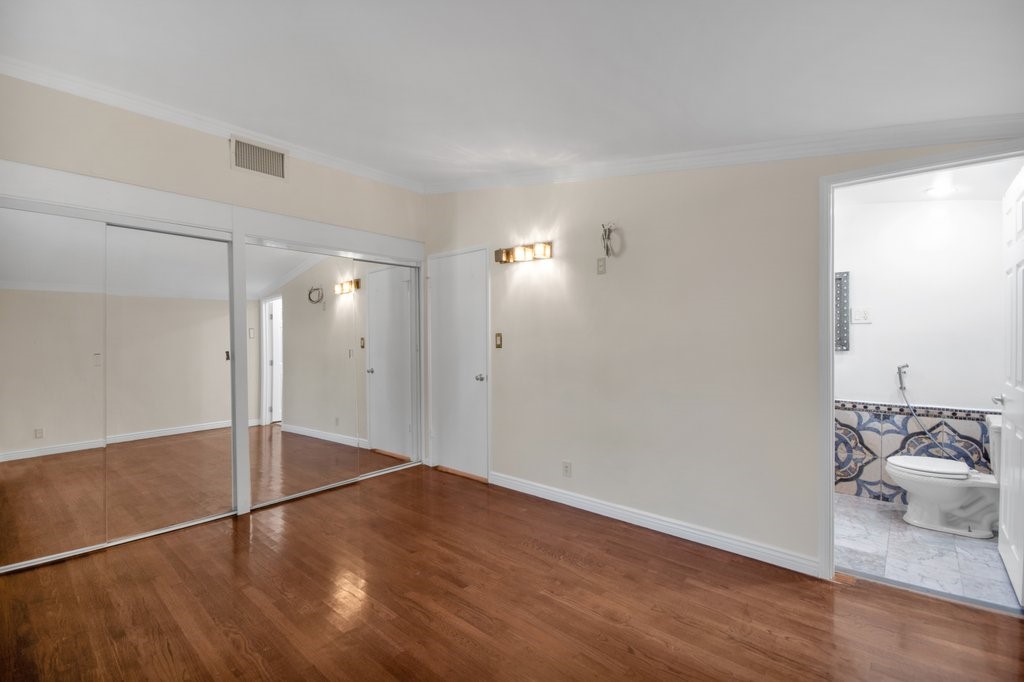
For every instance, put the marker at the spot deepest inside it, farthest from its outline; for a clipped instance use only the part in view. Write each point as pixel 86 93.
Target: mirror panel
pixel 307 435
pixel 168 381
pixel 51 394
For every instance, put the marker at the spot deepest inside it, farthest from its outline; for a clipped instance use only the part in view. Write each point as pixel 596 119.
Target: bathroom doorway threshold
pixel 848 576
pixel 826 336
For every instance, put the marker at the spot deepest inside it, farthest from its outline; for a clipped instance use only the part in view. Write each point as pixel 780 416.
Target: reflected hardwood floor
pixel 62 502
pixel 424 575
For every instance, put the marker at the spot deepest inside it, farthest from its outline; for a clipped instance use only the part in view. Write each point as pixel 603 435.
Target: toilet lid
pixel 931 466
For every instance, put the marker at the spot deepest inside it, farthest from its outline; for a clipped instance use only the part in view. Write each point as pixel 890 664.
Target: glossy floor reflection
pixel 58 503
pixel 423 575
pixel 871 538
pixel 287 463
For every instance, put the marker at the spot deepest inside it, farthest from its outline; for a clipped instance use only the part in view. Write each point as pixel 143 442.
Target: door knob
pixel 370 371
pixel 999 399
pixel 479 377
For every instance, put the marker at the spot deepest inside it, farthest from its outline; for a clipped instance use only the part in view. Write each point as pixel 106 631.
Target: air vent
pixel 259 159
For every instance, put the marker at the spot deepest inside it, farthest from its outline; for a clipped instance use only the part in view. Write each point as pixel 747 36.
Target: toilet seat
pixel 931 467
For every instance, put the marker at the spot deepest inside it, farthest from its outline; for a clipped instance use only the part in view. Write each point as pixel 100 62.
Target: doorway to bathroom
pixel 925 281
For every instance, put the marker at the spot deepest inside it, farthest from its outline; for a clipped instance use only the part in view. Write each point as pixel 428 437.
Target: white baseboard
pixel 325 435
pixel 119 438
pixel 51 450
pixel 172 431
pixel 662 524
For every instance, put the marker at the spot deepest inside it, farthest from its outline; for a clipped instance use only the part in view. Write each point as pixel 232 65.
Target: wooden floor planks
pixel 425 575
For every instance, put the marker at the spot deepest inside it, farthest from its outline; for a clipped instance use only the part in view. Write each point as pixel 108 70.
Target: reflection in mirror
pixel 51 391
pixel 386 321
pixel 307 436
pixel 168 381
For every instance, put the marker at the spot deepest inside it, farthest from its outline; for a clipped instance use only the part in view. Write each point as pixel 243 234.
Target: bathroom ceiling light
pixel 942 187
pixel 346 287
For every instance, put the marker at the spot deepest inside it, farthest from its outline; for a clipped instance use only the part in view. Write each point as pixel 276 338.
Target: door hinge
pixel 271 363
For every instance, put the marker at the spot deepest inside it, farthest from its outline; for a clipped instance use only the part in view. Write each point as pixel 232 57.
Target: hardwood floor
pixel 57 503
pixel 424 575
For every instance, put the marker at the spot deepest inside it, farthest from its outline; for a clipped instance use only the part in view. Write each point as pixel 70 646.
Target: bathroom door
pixel 458 300
pixel 1011 463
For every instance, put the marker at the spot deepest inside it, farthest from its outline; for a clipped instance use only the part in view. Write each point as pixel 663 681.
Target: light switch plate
pixel 860 316
pixel 602 265
pixel 497 340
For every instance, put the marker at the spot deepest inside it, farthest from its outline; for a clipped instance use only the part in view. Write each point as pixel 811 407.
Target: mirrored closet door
pixel 52 329
pixel 168 379
pixel 115 403
pixel 301 319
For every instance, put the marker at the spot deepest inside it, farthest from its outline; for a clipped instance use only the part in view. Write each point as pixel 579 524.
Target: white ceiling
pixel 451 93
pixel 981 181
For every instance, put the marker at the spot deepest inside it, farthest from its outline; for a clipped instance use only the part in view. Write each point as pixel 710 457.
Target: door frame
pixel 429 458
pixel 826 310
pixel 266 377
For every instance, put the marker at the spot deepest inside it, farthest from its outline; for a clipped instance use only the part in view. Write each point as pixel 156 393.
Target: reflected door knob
pixel 479 377
pixel 370 371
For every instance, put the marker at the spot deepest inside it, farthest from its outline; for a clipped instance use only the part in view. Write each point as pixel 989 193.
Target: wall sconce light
pixel 346 287
pixel 523 253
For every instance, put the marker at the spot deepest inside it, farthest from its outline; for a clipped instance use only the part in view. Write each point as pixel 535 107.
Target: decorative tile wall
pixel 868 433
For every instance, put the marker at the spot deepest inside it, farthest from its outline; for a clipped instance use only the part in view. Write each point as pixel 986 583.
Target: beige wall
pixel 47 128
pixel 49 380
pixel 320 379
pixel 684 382
pixel 162 366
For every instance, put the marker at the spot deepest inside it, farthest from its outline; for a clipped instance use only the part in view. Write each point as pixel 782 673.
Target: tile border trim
pixel 923 411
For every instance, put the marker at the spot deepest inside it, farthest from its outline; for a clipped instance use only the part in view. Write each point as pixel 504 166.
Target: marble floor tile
pixel 862 562
pixel 871 538
pixel 931 564
pixel 993 591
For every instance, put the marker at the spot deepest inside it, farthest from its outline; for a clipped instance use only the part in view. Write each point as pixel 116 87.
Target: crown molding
pixel 987 128
pixel 79 87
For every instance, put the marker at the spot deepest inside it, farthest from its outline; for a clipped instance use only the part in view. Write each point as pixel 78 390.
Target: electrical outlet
pixel 566 468
pixel 38 433
pixel 602 265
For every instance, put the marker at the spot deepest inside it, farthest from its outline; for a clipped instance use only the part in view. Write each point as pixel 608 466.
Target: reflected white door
pixel 1011 463
pixel 458 362
pixel 276 360
pixel 389 341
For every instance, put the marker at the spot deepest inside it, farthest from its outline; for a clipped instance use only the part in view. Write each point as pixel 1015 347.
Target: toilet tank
pixel 995 440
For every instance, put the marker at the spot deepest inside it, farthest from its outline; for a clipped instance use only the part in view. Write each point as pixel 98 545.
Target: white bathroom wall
pixel 928 274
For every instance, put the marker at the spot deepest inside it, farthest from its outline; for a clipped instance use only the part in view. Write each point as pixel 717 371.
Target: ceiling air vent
pixel 259 159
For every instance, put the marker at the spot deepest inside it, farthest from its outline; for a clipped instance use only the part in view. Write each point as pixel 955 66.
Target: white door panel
pixel 458 362
pixel 1011 462
pixel 389 360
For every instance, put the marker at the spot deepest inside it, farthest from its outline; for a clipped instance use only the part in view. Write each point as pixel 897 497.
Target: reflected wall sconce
pixel 346 287
pixel 523 253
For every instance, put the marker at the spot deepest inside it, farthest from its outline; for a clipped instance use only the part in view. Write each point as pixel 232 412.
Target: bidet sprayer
pixel 900 371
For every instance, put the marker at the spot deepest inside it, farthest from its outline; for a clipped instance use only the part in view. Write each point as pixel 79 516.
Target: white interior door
pixel 276 360
pixel 1011 462
pixel 389 345
pixel 458 361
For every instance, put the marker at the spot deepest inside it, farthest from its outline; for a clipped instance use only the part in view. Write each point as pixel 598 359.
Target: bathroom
pixel 921 350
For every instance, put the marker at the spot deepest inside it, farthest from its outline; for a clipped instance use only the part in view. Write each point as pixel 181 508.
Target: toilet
pixel 946 494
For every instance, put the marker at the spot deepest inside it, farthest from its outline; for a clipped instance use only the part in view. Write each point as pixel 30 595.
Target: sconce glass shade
pixel 542 250
pixel 521 254
pixel 346 287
